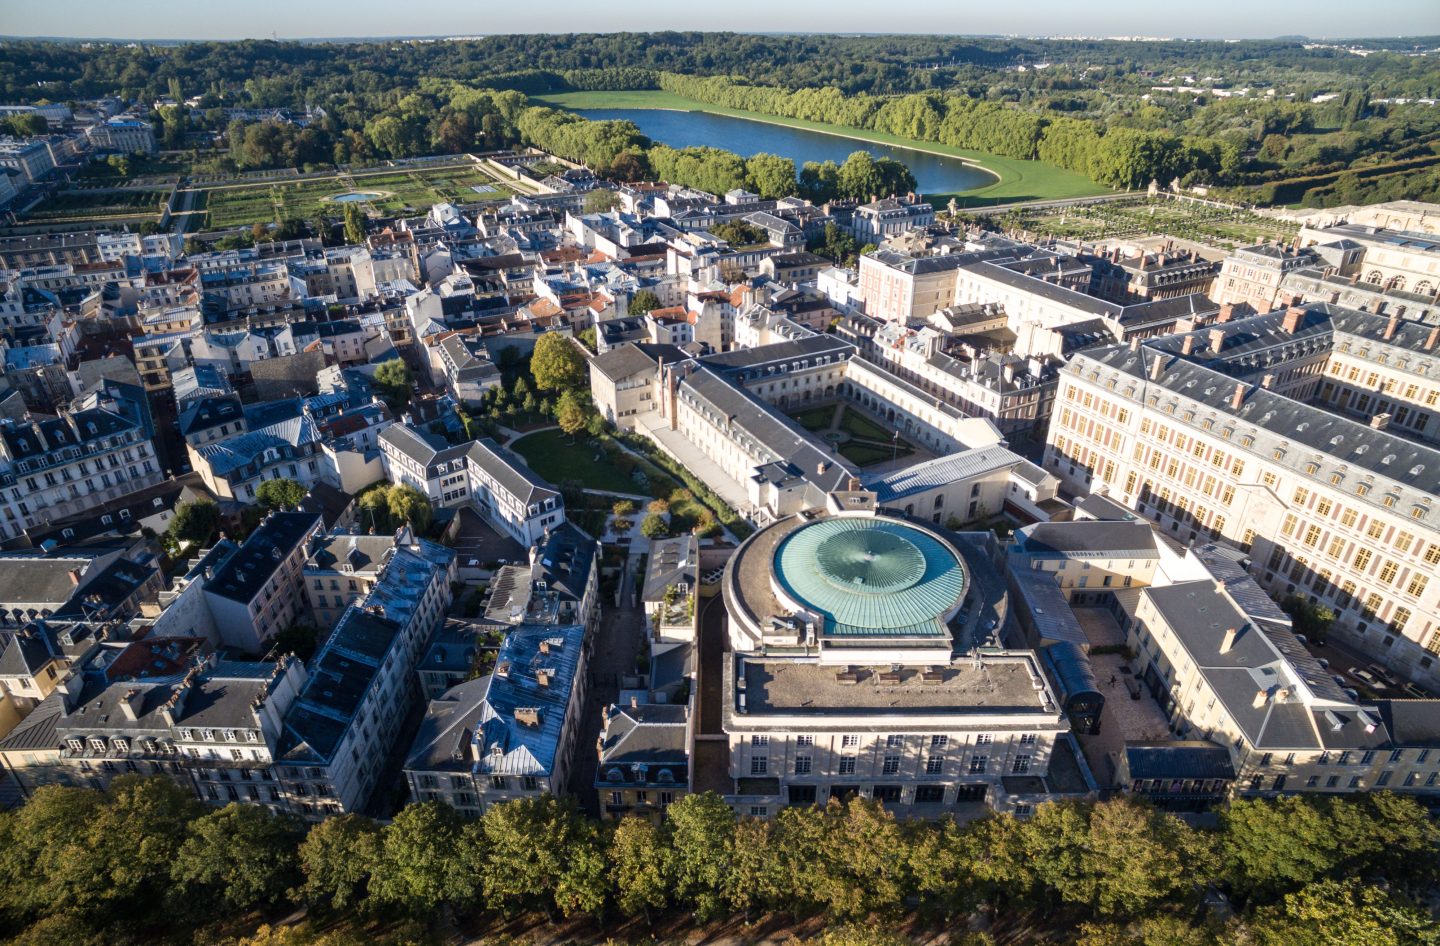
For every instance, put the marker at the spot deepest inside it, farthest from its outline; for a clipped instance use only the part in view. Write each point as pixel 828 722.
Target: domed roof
pixel 872 576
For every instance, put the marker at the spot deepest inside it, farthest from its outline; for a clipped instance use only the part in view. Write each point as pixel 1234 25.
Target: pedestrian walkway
pixel 689 456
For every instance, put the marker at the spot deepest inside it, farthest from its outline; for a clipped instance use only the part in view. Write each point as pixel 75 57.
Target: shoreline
pixel 778 121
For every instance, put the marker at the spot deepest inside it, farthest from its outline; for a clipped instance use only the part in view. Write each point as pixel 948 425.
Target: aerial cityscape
pixel 556 479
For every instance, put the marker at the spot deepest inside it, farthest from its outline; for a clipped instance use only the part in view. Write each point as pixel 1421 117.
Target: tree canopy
pixel 556 365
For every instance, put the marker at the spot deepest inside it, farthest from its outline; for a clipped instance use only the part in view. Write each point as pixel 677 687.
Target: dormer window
pixel 76 745
pixel 97 744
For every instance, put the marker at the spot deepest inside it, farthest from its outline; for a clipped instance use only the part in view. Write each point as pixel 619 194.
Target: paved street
pixel 619 639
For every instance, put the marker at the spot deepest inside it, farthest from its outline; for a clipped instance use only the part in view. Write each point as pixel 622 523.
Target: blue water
pixel 355 197
pixel 934 174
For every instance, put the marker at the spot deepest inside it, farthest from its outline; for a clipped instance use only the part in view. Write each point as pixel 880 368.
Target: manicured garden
pixel 1202 222
pixel 561 458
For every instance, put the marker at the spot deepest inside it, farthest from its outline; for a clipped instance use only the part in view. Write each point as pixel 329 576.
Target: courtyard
pixel 854 435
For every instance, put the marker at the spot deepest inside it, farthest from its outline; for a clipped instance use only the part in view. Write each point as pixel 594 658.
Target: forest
pixel 143 862
pixel 1256 113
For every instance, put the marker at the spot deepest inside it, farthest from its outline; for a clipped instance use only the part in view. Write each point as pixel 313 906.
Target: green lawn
pixel 1141 215
pixel 1017 180
pixel 816 418
pixel 241 205
pixel 858 425
pixel 559 458
pixel 868 454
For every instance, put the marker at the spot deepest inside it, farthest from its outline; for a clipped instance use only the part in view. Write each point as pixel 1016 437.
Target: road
pixel 618 640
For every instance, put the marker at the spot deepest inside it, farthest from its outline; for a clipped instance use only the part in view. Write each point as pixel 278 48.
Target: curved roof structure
pixel 871 577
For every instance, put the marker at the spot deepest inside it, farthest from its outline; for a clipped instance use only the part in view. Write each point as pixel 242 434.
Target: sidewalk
pixel 690 457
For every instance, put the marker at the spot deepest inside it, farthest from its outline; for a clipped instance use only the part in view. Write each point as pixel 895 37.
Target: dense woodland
pixel 1089 106
pixel 143 862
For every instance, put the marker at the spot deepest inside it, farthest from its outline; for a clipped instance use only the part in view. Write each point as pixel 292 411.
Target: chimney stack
pixel 1188 345
pixel 1392 325
pixel 1156 366
pixel 1228 641
pixel 1227 312
pixel 1261 698
pixel 1380 421
pixel 1238 398
pixel 74 576
pixel 1262 307
pixel 1268 382
pixel 1432 338
pixel 1293 317
pixel 1217 340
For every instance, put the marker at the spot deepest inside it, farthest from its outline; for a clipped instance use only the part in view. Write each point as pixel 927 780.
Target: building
pixel 1180 775
pixel 345 720
pixel 54 469
pixel 509 735
pixel 1255 274
pixel 1240 432
pixel 879 220
pixel 258 591
pixel 31 158
pixel 124 135
pixel 644 764
pixel 342 568
pixel 842 677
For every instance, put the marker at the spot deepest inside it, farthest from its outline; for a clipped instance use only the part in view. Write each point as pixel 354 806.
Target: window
pixel 929 794
pixel 849 742
pixel 802 765
pixel 891 765
pixel 759 811
pixel 530 783
pixel 759 765
pixel 934 765
pixel 894 742
pixel 939 742
pixel 983 739
pixel 759 740
pixel 847 765
pixel 497 782
pixel 979 764
pixel 1021 765
pixel 804 741
pixel 1416 587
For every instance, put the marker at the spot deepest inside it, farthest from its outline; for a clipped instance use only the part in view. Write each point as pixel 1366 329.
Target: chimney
pixel 1261 698
pixel 1228 641
pixel 1238 398
pixel 74 576
pixel 634 701
pixel 1293 317
pixel 1392 325
pixel 528 716
pixel 1432 338
pixel 1268 382
pixel 128 704
pixel 1380 421
pixel 1187 346
pixel 1227 312
pixel 1135 343
pixel 1217 340
pixel 1262 307
pixel 543 676
pixel 1155 367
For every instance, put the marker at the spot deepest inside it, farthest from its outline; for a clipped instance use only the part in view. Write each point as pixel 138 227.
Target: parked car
pixel 1365 677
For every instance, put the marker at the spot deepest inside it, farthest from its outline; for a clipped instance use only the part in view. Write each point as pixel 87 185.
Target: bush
pixel 654 527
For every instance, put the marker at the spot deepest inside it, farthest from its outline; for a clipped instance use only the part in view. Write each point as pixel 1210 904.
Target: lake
pixel 934 174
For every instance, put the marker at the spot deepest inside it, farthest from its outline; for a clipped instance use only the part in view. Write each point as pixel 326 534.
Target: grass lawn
pixel 241 205
pixel 858 425
pixel 557 457
pixel 1017 180
pixel 1140 215
pixel 82 205
pixel 868 454
pixel 816 418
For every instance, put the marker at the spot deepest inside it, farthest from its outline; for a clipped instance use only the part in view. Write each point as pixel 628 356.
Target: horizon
pixel 375 20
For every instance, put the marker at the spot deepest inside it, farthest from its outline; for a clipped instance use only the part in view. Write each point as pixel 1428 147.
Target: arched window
pixel 1375 277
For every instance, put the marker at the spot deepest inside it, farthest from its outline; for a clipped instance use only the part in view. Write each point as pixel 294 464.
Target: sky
pixel 296 19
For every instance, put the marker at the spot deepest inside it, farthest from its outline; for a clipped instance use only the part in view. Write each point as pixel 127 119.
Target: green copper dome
pixel 872 577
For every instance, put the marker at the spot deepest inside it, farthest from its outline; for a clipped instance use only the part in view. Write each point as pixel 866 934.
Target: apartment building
pixel 1331 508
pixel 54 469
pixel 345 720
pixel 259 590
pixel 340 569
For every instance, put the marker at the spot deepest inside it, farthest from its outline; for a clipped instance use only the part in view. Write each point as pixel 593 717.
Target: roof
pixel 446 735
pixel 1117 539
pixel 242 576
pixel 646 744
pixel 509 471
pixel 1181 758
pixel 872 577
pixel 671 561
pixel 510 741
pixel 941 471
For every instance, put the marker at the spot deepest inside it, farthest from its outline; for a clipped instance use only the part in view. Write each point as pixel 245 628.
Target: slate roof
pixel 528 749
pixel 243 574
pixel 445 740
pixel 1121 539
pixel 507 469
pixel 205 413
pixel 1179 759
pixel 941 471
pixel 671 560
pixel 645 745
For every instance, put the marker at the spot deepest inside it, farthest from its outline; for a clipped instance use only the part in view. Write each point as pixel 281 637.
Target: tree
pixel 595 425
pixel 601 200
pixel 654 527
pixel 702 828
pixel 569 414
pixel 624 507
pixel 1346 912
pixel 281 494
pixel 1312 620
pixel 640 862
pixel 337 859
pixel 420 862
pixel 771 176
pixel 194 522
pixel 354 223
pixel 556 364
pixel 542 854
pixel 643 301
pixel 1268 845
pixel 393 379
pixel 587 338
pixel 241 856
pixel 407 504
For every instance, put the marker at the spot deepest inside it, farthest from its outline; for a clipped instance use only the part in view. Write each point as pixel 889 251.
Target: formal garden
pixel 855 436
pixel 1209 223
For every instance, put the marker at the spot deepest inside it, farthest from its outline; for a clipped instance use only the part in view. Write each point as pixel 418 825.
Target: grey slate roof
pixel 1123 539
pixel 1181 758
pixel 507 469
pixel 645 745
pixel 941 471
pixel 243 574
